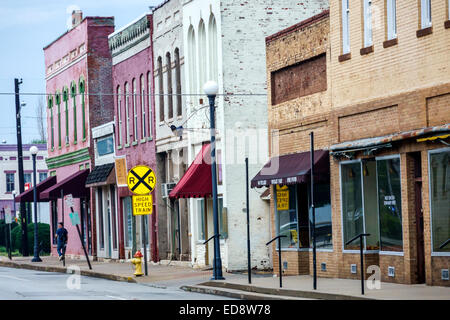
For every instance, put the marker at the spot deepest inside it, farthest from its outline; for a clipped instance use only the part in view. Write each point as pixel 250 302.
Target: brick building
pixel 132 73
pixel 78 71
pixel 224 42
pixel 171 144
pixel 380 108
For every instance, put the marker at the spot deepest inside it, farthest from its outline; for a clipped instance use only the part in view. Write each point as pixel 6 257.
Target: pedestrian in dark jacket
pixel 61 237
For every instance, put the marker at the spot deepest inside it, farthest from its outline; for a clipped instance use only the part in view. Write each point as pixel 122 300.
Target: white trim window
pixel 345 27
pixel 135 115
pixel 119 115
pixel 391 14
pixel 150 120
pixel 367 23
pixel 425 13
pixel 143 130
pixel 127 114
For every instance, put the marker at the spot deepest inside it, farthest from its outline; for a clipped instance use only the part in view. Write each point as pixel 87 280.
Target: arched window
pixel 150 117
pixel 119 115
pixel 58 103
pixel 143 115
pixel 201 56
pixel 50 106
pixel 161 90
pixel 169 85
pixel 135 114
pixel 66 111
pixel 213 60
pixel 192 59
pixel 178 82
pixel 82 90
pixel 73 94
pixel 127 114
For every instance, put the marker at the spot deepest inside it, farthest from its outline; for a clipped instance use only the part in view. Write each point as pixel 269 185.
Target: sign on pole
pixel 142 205
pixel 68 199
pixel 282 198
pixel 74 218
pixel 141 180
pixel 121 171
pixel 27 186
pixel 8 216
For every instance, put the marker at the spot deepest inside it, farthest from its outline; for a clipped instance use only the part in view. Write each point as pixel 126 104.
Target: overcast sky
pixel 26 26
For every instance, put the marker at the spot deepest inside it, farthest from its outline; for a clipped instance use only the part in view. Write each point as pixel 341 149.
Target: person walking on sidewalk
pixel 61 237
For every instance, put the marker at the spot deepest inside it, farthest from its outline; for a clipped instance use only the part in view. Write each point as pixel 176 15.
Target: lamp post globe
pixel 34 150
pixel 211 88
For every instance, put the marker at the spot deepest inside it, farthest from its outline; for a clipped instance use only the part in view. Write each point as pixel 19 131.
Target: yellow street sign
pixel 141 180
pixel 121 171
pixel 142 205
pixel 282 198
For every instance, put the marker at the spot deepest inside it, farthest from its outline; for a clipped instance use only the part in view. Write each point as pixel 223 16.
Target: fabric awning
pixel 28 196
pixel 74 185
pixel 293 169
pixel 196 182
pixel 101 175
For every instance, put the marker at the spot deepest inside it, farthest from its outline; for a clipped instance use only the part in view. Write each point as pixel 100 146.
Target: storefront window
pixel 323 216
pixel 223 225
pixel 440 199
pixel 370 205
pixel 286 210
pixel 128 229
pixel 389 204
pixel 352 210
pixel 201 219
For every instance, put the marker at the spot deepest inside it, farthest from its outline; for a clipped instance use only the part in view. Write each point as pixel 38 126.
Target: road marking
pixel 118 298
pixel 15 278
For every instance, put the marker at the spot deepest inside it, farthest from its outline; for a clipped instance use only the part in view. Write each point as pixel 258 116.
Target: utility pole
pixel 20 162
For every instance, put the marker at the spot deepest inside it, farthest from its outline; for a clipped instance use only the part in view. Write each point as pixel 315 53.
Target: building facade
pixel 224 45
pixel 386 138
pixel 10 179
pixel 171 141
pixel 78 71
pixel 132 73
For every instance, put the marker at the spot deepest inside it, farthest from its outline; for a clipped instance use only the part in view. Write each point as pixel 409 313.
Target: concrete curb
pixel 230 294
pixel 281 292
pixel 88 273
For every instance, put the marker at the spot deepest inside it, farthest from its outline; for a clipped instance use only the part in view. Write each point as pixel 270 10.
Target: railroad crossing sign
pixel 141 180
pixel 142 205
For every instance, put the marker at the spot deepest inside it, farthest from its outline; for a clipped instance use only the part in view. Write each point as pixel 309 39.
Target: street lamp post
pixel 34 150
pixel 211 88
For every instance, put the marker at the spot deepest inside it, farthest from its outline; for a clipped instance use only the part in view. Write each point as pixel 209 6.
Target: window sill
pixel 75 143
pixel 390 43
pixel 440 254
pixel 180 117
pixel 143 140
pixel 119 147
pixel 161 123
pixel 134 143
pixel 149 139
pixel 447 24
pixel 127 145
pixel 366 50
pixel 345 57
pixel 391 253
pixel 424 32
pixel 84 140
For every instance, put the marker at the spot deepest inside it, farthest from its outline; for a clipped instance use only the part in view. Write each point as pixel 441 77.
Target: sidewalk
pixel 327 288
pixel 117 271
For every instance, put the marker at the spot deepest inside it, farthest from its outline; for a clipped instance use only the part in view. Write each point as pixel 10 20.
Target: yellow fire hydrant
pixel 137 261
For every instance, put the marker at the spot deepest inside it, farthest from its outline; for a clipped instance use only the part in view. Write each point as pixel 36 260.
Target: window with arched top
pixel 65 97
pixel 192 61
pixel 178 82
pixel 82 90
pixel 213 50
pixel 73 94
pixel 50 107
pixel 119 115
pixel 161 90
pixel 135 114
pixel 169 85
pixel 58 103
pixel 202 60
pixel 143 113
pixel 127 114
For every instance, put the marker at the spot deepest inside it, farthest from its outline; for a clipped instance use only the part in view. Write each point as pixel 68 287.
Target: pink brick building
pixel 132 58
pixel 78 74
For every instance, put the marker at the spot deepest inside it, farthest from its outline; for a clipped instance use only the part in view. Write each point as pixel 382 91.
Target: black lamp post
pixel 211 88
pixel 34 150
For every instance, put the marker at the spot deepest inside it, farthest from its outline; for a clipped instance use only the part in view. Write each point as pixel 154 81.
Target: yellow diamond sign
pixel 141 180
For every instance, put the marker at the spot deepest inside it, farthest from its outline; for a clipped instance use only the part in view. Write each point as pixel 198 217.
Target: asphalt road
pixel 20 284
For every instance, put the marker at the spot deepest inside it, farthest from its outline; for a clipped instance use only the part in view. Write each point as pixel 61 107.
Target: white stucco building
pixel 225 41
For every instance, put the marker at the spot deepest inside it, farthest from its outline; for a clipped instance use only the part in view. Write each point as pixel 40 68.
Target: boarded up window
pixel 299 80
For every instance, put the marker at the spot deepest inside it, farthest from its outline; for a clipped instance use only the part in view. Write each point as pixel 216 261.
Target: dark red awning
pixel 74 185
pixel 196 182
pixel 28 196
pixel 293 169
